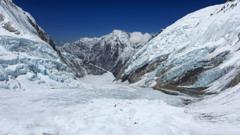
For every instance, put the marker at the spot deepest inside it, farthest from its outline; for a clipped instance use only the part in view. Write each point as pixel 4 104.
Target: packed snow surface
pixel 103 107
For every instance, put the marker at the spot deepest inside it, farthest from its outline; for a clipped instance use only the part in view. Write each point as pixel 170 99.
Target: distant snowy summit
pixel 102 54
pixel 134 38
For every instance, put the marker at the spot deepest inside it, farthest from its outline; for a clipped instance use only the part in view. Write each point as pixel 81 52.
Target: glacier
pixel 40 94
pixel 24 60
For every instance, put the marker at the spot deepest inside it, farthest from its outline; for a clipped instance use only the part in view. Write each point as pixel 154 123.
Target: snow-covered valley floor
pixel 102 107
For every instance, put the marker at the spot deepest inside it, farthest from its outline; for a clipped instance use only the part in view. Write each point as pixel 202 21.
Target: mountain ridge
pixel 105 53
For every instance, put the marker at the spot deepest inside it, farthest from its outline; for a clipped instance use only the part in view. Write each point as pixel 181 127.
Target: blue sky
pixel 68 20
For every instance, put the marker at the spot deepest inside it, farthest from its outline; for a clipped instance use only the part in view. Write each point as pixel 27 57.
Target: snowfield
pixel 102 107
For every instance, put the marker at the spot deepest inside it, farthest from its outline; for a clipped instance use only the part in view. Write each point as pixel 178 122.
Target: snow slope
pixel 15 22
pixel 219 114
pixel 27 61
pixel 194 53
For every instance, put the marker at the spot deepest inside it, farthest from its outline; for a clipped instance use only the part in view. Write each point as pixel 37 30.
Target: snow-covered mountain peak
pixel 116 37
pixel 129 38
pixel 86 40
pixel 118 32
pixel 109 52
pixel 16 22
